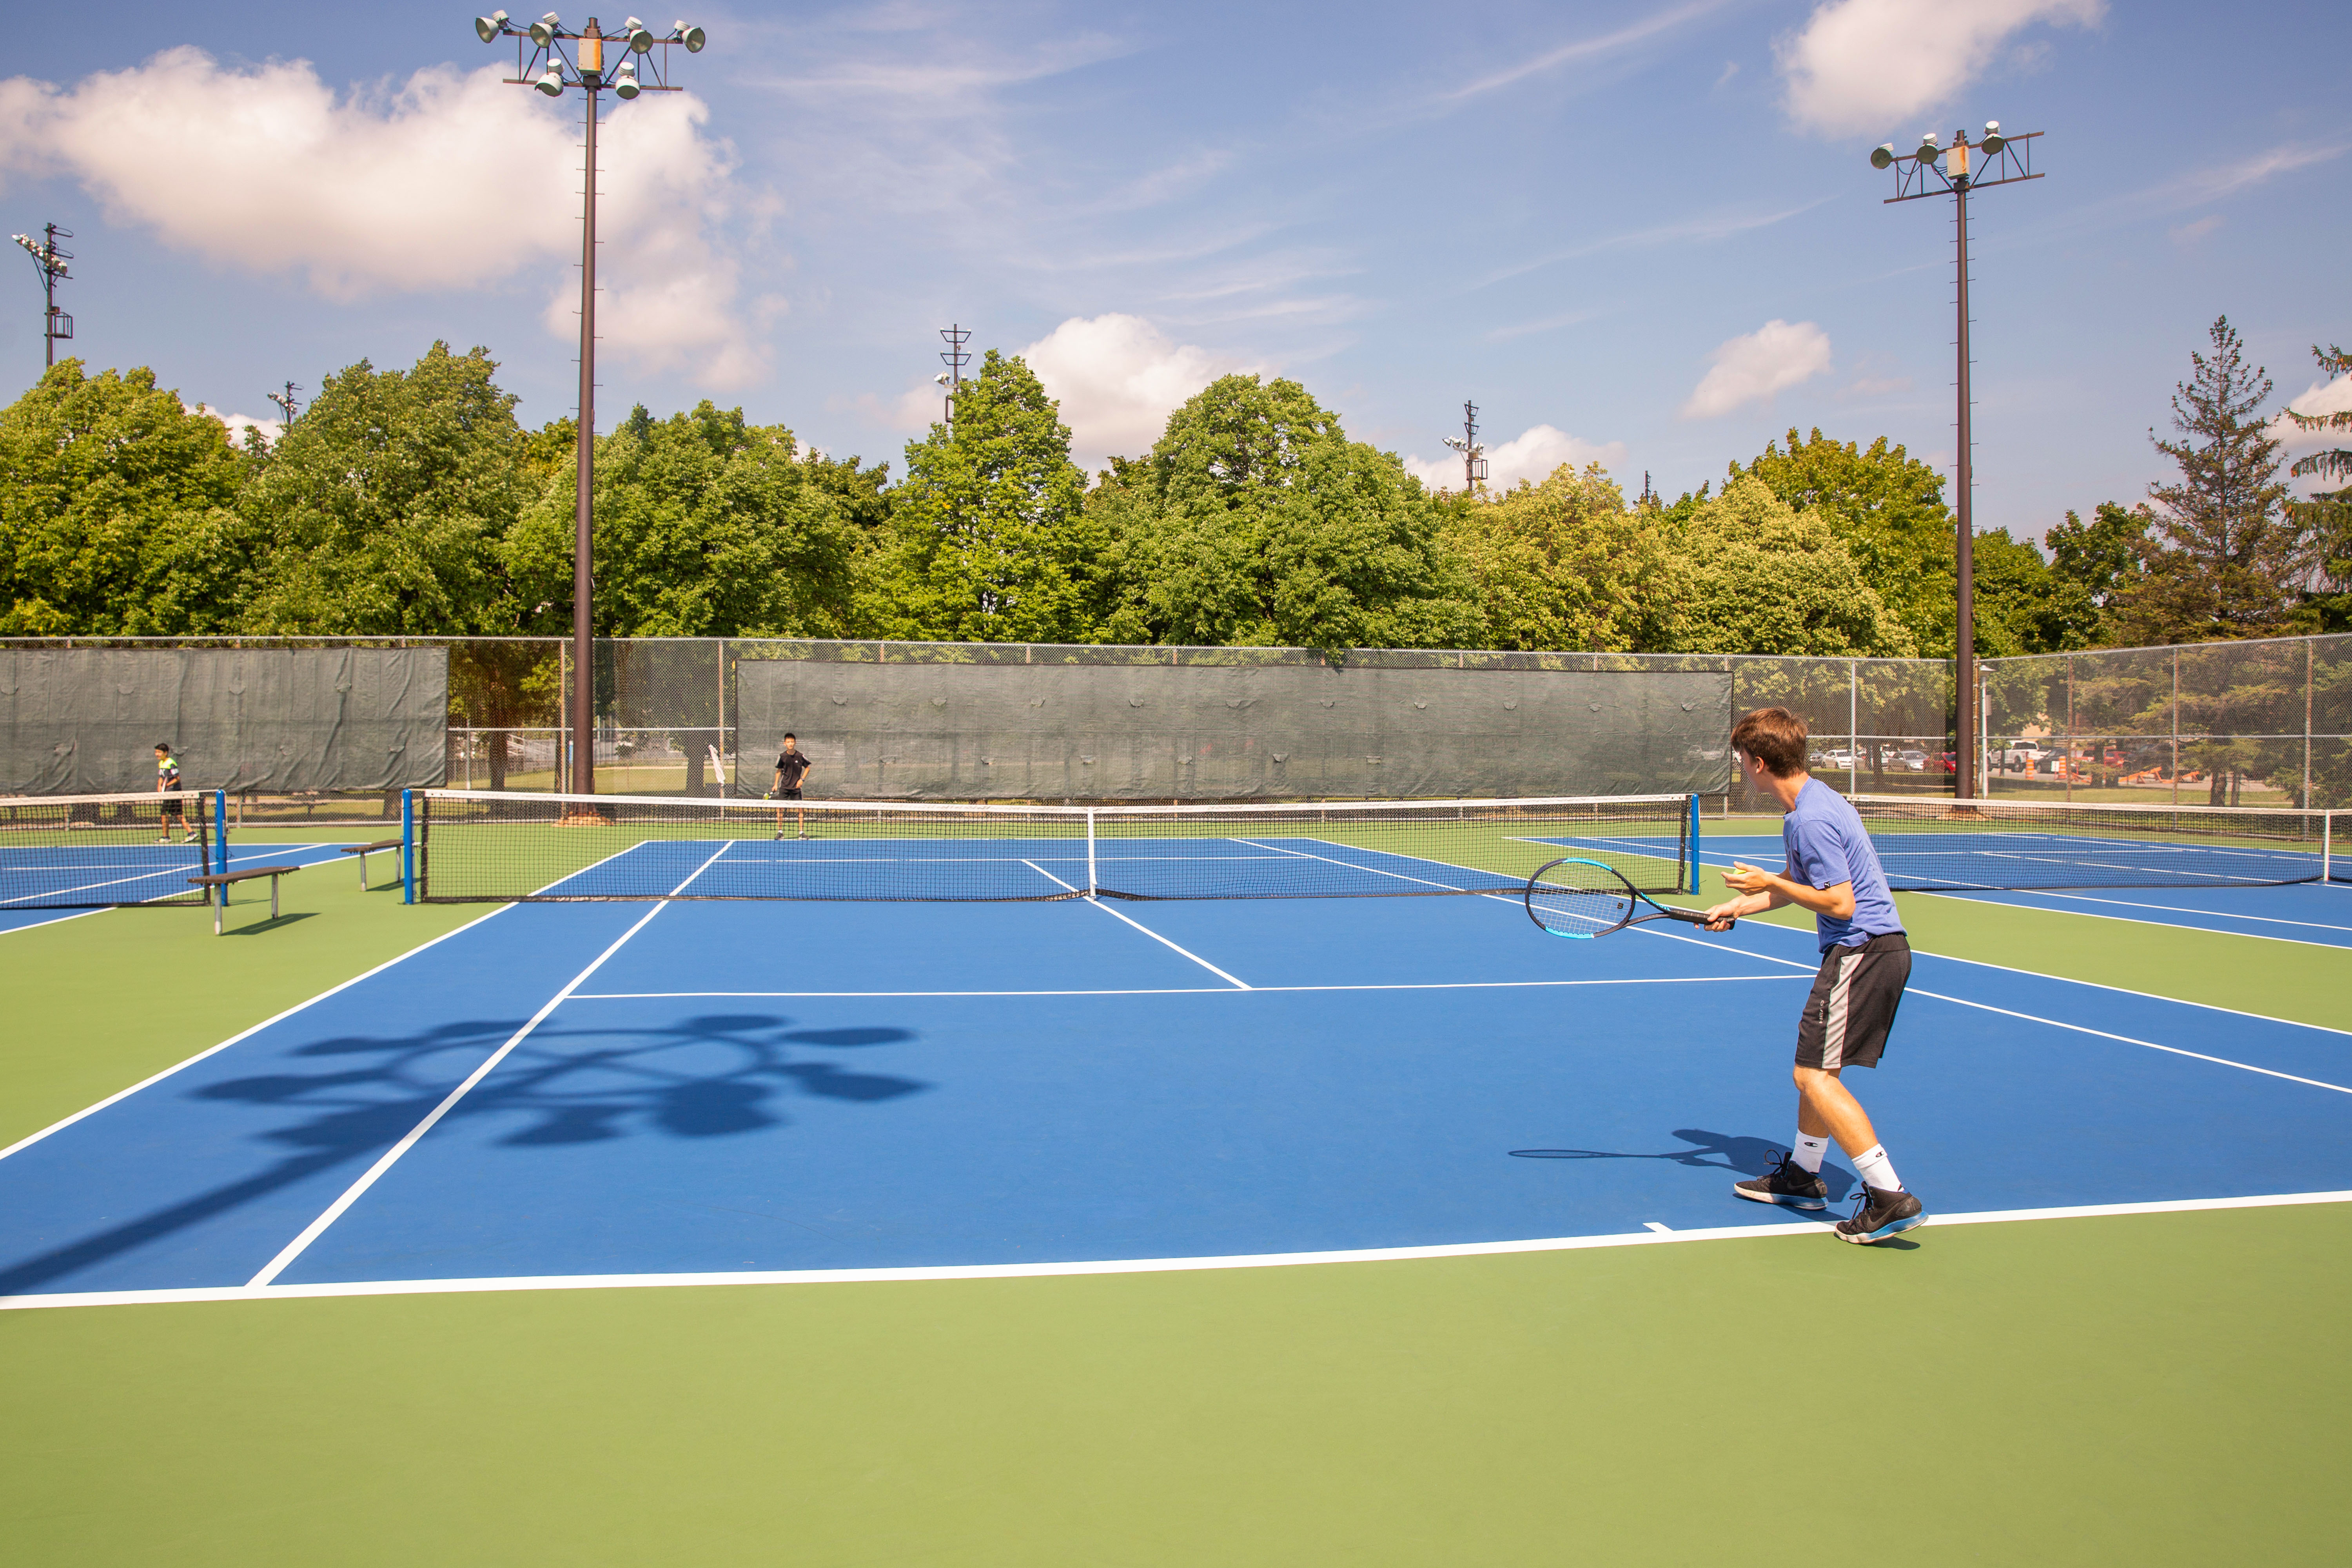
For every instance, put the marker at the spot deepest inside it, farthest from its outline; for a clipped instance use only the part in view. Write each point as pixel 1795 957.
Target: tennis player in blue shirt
pixel 1832 870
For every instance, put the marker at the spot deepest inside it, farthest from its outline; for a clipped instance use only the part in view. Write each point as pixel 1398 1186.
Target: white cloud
pixel 271 428
pixel 1117 378
pixel 2319 398
pixel 445 182
pixel 1870 66
pixel 1752 367
pixel 1534 456
pixel 2190 233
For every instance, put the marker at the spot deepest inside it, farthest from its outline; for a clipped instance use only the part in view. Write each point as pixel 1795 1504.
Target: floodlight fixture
pixel 641 41
pixel 1993 140
pixel 550 82
pixel 490 28
pixel 1883 157
pixel 542 32
pixel 624 79
pixel 1927 147
pixel 692 37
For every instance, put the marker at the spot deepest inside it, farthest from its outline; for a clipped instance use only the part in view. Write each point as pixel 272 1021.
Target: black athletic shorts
pixel 788 794
pixel 1853 1003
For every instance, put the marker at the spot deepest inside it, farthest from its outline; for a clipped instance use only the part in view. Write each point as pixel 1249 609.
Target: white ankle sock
pixel 1809 1153
pixel 1874 1167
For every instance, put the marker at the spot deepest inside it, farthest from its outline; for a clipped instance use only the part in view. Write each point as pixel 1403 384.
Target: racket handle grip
pixel 1693 917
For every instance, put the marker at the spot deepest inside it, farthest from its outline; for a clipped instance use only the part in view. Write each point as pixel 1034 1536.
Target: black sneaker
pixel 1878 1214
pixel 1788 1184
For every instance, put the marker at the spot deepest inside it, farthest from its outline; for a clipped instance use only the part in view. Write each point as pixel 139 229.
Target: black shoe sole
pixel 1786 1201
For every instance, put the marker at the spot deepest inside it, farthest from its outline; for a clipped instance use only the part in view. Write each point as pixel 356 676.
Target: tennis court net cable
pixel 96 851
pixel 1931 844
pixel 495 846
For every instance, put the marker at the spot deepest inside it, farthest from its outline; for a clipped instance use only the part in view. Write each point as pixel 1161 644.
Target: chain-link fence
pixel 2263 722
pixel 2253 724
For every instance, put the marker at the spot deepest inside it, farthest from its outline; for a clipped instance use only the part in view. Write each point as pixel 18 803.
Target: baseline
pixel 1646 1236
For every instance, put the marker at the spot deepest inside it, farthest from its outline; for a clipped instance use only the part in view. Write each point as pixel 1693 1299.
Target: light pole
pixel 1914 171
pixel 549 57
pixel 54 323
pixel 286 402
pixel 955 357
pixel 1474 456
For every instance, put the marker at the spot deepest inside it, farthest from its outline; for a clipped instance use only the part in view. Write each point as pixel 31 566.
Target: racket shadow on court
pixel 1709 1151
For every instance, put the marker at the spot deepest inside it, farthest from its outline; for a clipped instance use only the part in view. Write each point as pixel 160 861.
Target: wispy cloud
pixel 1549 324
pixel 1699 230
pixel 1753 366
pixel 1630 36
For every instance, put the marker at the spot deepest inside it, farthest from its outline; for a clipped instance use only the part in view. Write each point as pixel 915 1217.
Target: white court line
pixel 334 1211
pixel 70 915
pixel 59 1126
pixel 2059 1023
pixel 1183 990
pixel 2170 908
pixel 2137 921
pixel 1763 1229
pixel 1138 925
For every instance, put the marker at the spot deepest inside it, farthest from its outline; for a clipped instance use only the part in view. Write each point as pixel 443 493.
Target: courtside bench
pixel 216 887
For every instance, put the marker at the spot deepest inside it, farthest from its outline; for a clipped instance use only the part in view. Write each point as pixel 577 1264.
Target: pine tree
pixel 2225 558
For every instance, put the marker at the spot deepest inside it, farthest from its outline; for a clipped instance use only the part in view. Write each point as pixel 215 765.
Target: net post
pixel 1690 844
pixel 1091 890
pixel 408 846
pixel 220 832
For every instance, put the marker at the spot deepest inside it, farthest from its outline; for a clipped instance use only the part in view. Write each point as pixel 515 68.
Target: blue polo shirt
pixel 1827 845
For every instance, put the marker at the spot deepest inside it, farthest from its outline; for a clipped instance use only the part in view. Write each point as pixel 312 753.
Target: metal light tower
pixel 557 58
pixel 285 401
pixel 954 357
pixel 1918 175
pixel 1474 456
pixel 54 323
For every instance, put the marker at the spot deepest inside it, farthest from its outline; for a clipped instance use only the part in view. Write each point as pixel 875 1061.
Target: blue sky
pixel 1647 233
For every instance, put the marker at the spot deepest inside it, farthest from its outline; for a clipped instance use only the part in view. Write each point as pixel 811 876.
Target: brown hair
pixel 1775 738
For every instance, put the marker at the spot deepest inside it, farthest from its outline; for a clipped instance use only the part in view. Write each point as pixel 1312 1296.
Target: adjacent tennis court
pixel 517 1103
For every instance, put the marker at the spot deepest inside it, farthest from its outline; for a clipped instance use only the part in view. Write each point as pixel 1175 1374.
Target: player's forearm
pixel 1837 902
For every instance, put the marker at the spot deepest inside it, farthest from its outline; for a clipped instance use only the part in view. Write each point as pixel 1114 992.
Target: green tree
pixel 1752 575
pixel 386 504
pixel 1888 510
pixel 705 525
pixel 116 511
pixel 989 538
pixel 2327 518
pixel 1563 564
pixel 2102 556
pixel 2023 605
pixel 2225 557
pixel 1256 521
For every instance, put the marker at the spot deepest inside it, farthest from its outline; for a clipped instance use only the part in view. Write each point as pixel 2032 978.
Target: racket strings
pixel 1580 910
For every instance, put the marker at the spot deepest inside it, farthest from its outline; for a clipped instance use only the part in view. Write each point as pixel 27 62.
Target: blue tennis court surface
pixel 689 1088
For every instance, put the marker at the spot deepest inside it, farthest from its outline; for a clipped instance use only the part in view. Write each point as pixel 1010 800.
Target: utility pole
pixel 1474 456
pixel 559 58
pixel 51 261
pixel 955 357
pixel 2012 160
pixel 286 402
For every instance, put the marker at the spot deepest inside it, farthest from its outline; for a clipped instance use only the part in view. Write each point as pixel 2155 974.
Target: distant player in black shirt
pixel 790 768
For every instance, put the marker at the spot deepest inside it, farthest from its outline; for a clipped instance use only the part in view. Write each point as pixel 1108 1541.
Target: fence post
pixel 1853 726
pixel 2310 675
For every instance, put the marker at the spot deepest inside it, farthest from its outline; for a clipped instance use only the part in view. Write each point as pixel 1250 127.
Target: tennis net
pixel 478 845
pixel 92 851
pixel 1930 845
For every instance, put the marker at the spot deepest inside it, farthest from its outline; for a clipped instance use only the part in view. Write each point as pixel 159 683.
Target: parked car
pixel 1912 759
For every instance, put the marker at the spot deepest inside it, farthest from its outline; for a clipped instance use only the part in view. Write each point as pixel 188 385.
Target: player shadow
pixel 567 1083
pixel 1709 1151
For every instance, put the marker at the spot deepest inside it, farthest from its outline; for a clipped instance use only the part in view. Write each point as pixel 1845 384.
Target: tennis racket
pixel 1582 899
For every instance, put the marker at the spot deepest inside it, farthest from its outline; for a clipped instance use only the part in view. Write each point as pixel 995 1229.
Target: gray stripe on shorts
pixel 1834 1017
